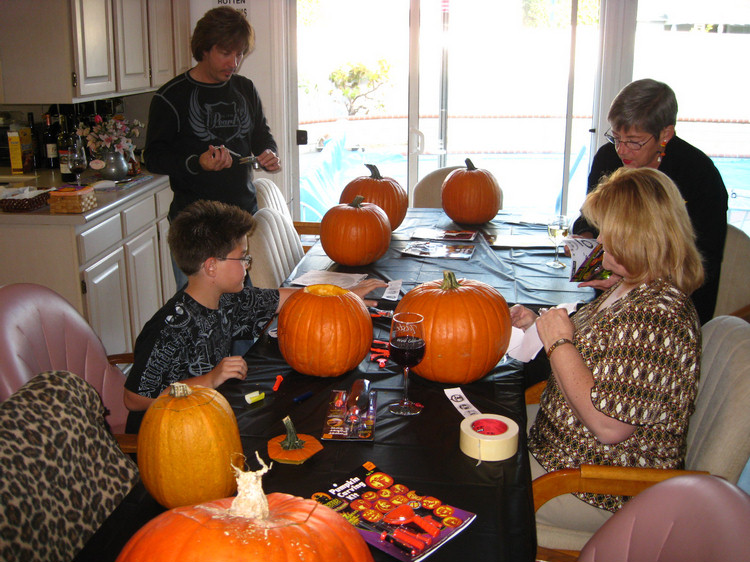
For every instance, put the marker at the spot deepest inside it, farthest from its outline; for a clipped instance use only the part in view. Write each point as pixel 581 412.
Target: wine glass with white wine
pixel 557 230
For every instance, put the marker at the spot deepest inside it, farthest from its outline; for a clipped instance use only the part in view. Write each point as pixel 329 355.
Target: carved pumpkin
pixel 273 528
pixel 471 195
pixel 187 443
pixel 357 233
pixel 386 193
pixel 466 328
pixel 324 330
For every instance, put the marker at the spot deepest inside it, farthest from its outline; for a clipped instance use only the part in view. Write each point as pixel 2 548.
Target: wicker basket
pixel 69 200
pixel 22 205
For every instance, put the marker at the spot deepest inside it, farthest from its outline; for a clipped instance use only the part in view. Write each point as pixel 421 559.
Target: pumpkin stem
pixel 470 165
pixel 374 172
pixel 291 441
pixel 449 281
pixel 251 501
pixel 357 201
pixel 179 389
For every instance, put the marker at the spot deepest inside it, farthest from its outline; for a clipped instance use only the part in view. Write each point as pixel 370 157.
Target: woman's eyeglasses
pixel 630 145
pixel 246 260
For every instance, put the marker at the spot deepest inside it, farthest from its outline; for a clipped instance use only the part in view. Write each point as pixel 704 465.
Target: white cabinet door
pixel 161 43
pixel 93 46
pixel 183 58
pixel 131 25
pixel 144 277
pixel 106 298
pixel 168 283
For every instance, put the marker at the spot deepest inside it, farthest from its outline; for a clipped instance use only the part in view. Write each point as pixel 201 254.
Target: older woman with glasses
pixel 642 135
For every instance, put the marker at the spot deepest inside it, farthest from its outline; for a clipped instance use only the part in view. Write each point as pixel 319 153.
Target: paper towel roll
pixel 489 437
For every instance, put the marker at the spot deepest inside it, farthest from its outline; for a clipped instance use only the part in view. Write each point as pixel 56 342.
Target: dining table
pixel 421 452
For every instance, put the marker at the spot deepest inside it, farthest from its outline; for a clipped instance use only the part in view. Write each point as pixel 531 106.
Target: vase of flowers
pixel 111 142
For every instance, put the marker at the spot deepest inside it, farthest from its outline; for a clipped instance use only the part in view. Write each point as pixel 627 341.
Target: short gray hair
pixel 645 104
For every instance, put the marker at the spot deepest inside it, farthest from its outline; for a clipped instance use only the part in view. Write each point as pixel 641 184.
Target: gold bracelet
pixel 558 343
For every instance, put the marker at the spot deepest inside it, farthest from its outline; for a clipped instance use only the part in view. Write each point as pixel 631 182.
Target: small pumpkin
pixel 273 528
pixel 466 328
pixel 354 234
pixel 292 447
pixel 471 195
pixel 324 330
pixel 385 192
pixel 187 443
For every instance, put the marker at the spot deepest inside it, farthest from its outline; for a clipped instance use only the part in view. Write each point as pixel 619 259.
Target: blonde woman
pixel 624 368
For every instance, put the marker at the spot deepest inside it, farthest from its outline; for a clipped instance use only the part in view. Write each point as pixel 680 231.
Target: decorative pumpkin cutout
pixel 324 330
pixel 273 528
pixel 471 195
pixel 356 233
pixel 384 192
pixel 466 328
pixel 187 444
pixel 293 447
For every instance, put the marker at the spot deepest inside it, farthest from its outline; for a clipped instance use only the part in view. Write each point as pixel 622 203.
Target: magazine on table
pixel 433 249
pixel 405 523
pixel 444 235
pixel 586 255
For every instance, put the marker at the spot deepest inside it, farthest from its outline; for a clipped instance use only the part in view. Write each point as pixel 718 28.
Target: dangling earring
pixel 663 153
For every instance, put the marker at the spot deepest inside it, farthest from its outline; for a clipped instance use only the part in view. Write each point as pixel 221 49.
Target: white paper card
pixel 393 290
pixel 525 345
pixel 343 280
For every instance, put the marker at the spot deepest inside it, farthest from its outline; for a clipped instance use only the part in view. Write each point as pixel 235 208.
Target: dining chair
pixel 427 191
pixel 269 196
pixel 41 331
pixel 690 518
pixel 734 288
pixel 276 249
pixel 717 440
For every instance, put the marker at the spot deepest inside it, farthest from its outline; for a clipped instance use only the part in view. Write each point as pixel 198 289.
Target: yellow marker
pixel 254 396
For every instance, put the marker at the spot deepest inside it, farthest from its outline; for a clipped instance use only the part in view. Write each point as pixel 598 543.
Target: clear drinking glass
pixel 558 229
pixel 77 159
pixel 407 347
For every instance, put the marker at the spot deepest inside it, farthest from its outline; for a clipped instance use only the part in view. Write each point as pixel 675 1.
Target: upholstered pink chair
pixel 698 518
pixel 41 331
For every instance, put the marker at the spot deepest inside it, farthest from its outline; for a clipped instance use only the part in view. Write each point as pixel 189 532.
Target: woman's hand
pixel 553 325
pixel 602 284
pixel 522 317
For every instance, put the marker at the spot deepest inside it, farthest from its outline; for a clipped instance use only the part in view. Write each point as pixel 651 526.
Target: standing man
pixel 197 119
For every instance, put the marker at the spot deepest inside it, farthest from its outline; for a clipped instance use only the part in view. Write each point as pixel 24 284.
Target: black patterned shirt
pixel 644 354
pixel 185 339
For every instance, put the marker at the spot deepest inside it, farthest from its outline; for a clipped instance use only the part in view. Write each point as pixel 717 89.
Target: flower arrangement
pixel 116 133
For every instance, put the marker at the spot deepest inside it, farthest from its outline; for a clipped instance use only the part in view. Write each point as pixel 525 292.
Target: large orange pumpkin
pixel 324 330
pixel 251 527
pixel 471 195
pixel 187 443
pixel 466 328
pixel 357 233
pixel 385 192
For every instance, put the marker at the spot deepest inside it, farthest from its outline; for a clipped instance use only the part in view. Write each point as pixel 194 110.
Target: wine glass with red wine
pixel 77 159
pixel 407 349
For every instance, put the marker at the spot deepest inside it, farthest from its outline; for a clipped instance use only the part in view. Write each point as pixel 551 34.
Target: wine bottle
pixel 49 142
pixel 63 142
pixel 34 141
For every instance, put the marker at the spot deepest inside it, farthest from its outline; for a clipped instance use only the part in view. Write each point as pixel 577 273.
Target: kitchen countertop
pixel 106 201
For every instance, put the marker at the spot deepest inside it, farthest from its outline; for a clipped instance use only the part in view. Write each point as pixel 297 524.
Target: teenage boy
pixel 189 338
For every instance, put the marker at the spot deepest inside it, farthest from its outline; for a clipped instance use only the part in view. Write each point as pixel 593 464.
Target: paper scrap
pixel 525 345
pixel 343 280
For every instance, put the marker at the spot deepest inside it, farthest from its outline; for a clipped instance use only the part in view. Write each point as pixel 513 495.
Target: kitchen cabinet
pixel 91 49
pixel 181 29
pixel 111 263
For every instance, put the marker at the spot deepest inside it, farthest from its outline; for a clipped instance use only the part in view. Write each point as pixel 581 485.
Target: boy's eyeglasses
pixel 630 145
pixel 246 260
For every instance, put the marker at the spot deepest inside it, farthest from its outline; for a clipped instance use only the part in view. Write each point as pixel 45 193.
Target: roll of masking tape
pixel 489 437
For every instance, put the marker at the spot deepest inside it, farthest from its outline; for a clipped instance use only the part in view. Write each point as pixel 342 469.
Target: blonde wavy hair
pixel 645 227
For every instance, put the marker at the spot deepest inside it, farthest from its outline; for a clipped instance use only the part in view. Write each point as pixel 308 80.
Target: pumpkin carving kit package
pixel 392 517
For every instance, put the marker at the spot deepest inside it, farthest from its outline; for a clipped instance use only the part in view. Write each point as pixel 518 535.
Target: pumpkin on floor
pixel 471 195
pixel 324 330
pixel 187 444
pixel 273 528
pixel 385 192
pixel 357 233
pixel 466 328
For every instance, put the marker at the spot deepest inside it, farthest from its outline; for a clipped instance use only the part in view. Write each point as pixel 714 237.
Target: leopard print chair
pixel 63 473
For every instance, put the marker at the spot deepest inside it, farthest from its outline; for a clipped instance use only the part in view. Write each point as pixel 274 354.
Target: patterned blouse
pixel 644 354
